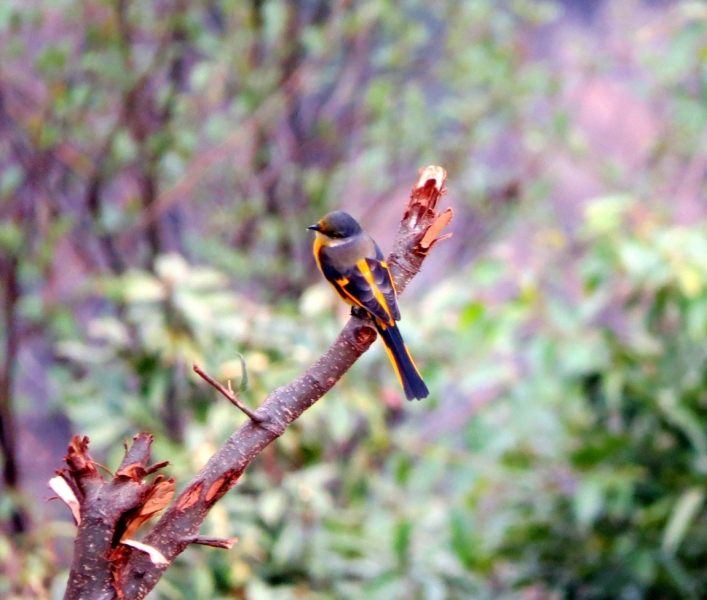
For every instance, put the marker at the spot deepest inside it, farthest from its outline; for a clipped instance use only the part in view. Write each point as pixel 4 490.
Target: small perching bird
pixel 354 265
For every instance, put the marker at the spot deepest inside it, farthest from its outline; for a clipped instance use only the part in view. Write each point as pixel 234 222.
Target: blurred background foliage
pixel 159 162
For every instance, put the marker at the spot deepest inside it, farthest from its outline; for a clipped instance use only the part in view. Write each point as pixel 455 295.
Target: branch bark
pixel 107 509
pixel 103 567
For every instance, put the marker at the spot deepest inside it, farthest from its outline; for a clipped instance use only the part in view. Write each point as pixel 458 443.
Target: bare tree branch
pixel 227 394
pixel 105 568
pixel 104 507
pixel 223 543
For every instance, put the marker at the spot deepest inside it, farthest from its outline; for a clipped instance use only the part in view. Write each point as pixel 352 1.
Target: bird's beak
pixel 314 227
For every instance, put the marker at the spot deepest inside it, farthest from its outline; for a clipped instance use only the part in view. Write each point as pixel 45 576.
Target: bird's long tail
pixel 404 365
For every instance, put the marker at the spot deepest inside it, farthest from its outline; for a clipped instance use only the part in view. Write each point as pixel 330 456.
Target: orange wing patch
pixel 368 276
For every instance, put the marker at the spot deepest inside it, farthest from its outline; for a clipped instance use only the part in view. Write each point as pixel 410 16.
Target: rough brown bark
pixel 105 568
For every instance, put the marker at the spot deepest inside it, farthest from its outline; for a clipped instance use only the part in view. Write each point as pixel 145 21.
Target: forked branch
pixel 106 564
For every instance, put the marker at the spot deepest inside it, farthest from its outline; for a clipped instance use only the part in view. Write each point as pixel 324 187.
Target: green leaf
pixel 11 237
pixel 402 536
pixel 683 513
pixel 588 502
pixel 471 314
pixel 11 179
pixel 244 377
pixel 604 215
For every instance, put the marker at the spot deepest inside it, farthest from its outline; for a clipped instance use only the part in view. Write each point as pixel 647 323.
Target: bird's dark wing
pixel 386 286
pixel 384 281
pixel 367 284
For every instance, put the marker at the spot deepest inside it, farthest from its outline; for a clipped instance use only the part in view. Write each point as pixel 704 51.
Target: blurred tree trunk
pixel 8 438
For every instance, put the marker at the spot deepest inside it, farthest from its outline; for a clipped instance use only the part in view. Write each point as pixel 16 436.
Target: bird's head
pixel 336 226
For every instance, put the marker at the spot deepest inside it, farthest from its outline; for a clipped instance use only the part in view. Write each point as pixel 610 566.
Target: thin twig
pixel 156 467
pixel 214 542
pixel 228 394
pixel 106 469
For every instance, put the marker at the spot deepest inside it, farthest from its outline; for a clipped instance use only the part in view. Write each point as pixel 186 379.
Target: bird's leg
pixel 359 312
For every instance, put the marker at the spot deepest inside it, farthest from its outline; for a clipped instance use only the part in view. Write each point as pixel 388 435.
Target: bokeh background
pixel 159 162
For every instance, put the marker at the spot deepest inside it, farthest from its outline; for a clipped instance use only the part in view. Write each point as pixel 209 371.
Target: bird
pixel 354 265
